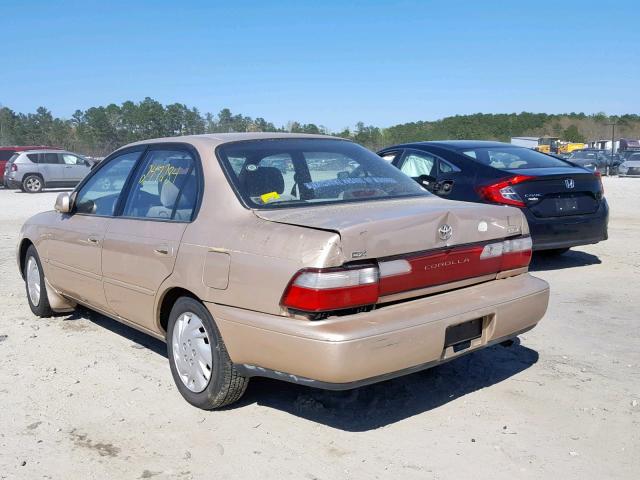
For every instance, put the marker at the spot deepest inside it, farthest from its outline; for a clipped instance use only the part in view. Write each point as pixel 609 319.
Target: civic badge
pixel 445 232
pixel 569 183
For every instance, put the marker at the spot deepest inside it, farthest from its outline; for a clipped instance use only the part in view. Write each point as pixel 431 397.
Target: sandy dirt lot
pixel 84 397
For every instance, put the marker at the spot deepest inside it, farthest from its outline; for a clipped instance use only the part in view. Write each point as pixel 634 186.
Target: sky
pixel 327 62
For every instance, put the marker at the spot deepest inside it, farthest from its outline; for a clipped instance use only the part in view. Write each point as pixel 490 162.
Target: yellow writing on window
pixel 161 173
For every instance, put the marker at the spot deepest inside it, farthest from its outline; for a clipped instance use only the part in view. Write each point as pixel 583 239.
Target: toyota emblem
pixel 445 232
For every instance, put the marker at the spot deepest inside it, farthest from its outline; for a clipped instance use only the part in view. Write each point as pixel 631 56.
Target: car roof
pixel 46 150
pixel 458 144
pixel 24 148
pixel 215 139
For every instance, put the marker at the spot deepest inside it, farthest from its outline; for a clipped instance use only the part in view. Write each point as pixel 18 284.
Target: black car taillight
pixel 502 191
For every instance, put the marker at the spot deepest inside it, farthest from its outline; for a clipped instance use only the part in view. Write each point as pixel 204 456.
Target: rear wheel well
pixel 24 246
pixel 168 301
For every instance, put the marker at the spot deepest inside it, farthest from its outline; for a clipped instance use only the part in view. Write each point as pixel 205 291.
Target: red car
pixel 7 152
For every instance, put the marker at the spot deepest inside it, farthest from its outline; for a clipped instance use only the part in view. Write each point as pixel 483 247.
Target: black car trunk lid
pixel 558 192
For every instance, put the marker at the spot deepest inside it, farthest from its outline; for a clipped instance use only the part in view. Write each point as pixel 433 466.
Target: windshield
pixel 513 158
pixel 300 172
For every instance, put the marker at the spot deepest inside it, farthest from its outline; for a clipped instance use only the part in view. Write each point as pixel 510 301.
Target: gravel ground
pixel 82 396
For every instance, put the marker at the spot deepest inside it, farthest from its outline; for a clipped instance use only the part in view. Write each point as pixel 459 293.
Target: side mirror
pixel 63 203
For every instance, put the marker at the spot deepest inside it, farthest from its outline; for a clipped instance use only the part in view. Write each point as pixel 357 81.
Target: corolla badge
pixel 569 182
pixel 445 232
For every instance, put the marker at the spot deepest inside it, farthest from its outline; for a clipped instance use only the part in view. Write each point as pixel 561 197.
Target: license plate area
pixel 459 336
pixel 566 205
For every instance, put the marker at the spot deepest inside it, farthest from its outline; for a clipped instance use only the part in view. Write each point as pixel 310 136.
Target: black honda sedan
pixel 564 203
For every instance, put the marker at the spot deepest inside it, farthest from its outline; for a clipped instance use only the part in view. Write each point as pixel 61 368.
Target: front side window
pixel 69 159
pixel 418 164
pixel 280 173
pixel 99 195
pixel 513 158
pixel 165 188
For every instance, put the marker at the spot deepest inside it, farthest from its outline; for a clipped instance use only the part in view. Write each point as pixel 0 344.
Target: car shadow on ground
pixel 573 258
pixel 363 408
pixel 385 403
pixel 139 338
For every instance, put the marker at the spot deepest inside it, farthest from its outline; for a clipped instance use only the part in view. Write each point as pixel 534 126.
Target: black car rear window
pixel 513 158
pixel 280 173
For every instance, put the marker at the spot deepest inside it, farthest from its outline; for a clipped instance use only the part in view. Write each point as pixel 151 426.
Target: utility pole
pixel 613 143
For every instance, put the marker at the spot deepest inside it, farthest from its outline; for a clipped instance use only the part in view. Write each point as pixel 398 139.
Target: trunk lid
pixel 558 192
pixel 388 228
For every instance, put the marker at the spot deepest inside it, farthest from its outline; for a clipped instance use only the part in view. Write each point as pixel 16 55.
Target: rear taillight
pixel 321 290
pixel 14 167
pixel 503 192
pixel 331 289
pixel 599 175
pixel 515 253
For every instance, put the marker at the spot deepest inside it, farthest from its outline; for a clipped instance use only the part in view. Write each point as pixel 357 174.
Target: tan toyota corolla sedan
pixel 303 258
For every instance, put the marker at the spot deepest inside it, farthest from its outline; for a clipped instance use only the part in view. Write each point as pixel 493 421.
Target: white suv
pixel 34 170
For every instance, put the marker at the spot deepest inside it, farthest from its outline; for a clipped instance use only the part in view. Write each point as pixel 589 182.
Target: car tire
pixel 200 365
pixel 35 284
pixel 32 184
pixel 554 252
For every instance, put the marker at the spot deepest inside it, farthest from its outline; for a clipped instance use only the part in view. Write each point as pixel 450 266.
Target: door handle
pixel 162 250
pixel 93 240
pixel 68 166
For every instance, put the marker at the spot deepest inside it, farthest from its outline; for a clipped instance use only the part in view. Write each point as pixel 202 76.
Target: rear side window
pixel 33 157
pixel 513 158
pixel 50 158
pixel 165 188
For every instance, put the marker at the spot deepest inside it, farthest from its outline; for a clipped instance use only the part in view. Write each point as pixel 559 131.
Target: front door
pixel 141 245
pixel 75 168
pixel 75 242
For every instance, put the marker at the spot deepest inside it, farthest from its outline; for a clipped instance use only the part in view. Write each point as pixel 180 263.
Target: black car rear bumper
pixel 568 231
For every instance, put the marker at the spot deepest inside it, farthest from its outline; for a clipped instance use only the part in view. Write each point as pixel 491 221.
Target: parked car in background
pixel 591 159
pixel 33 170
pixel 631 166
pixel 7 152
pixel 337 272
pixel 564 203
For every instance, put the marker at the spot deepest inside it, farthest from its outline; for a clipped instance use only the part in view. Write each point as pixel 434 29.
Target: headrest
pixel 169 191
pixel 263 180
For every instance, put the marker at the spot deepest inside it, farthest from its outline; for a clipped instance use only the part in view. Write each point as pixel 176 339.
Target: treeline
pixel 99 130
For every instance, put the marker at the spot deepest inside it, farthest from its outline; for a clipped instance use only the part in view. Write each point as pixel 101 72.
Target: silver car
pixel 33 170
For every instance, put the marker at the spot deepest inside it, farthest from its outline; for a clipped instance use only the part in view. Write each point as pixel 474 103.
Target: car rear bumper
pixel 9 183
pixel 568 231
pixel 353 350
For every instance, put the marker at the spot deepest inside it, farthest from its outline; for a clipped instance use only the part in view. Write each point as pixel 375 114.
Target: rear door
pixel 75 168
pixel 141 243
pixel 51 168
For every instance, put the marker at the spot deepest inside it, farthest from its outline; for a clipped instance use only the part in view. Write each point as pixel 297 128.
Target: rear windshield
pixel 300 172
pixel 513 158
